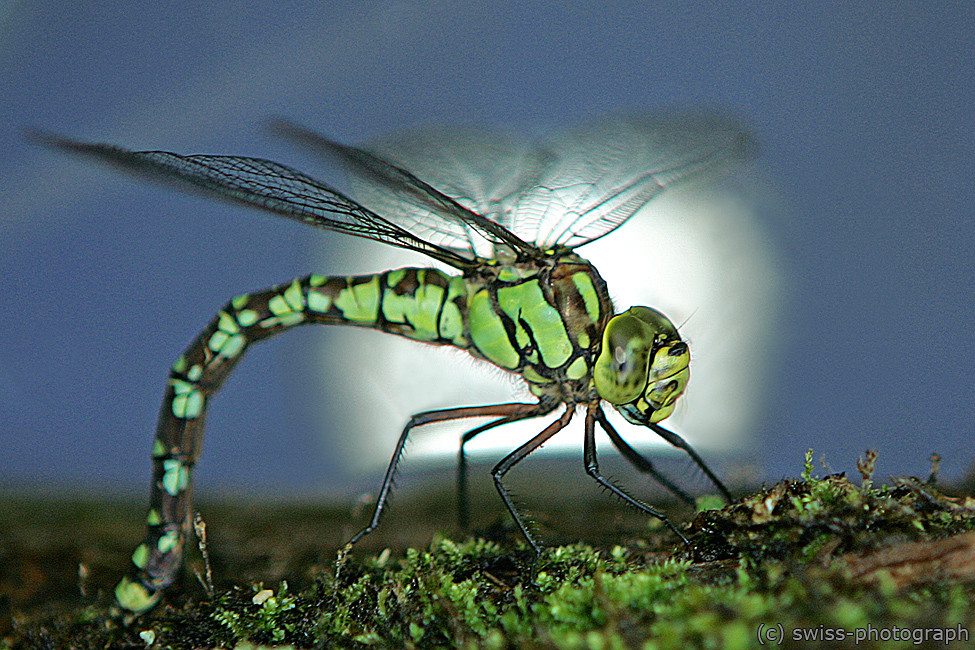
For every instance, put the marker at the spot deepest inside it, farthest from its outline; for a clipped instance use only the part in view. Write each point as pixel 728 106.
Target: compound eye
pixel 659 324
pixel 622 368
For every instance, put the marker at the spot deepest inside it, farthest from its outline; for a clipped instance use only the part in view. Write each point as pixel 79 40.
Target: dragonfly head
pixel 643 366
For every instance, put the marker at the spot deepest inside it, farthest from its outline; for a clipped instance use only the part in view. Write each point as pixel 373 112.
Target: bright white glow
pixel 696 253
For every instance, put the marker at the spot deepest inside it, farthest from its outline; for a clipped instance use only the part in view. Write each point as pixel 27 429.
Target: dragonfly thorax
pixel 642 367
pixel 542 319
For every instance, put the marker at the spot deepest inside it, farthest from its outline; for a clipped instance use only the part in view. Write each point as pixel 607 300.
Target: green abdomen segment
pixel 423 304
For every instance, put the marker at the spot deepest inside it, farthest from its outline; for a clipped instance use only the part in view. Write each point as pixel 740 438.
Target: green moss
pixel 265 619
pixel 776 557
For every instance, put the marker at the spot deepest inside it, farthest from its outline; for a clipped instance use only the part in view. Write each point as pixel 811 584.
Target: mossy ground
pixel 815 556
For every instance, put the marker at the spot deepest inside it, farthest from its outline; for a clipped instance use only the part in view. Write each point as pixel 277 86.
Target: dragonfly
pixel 506 217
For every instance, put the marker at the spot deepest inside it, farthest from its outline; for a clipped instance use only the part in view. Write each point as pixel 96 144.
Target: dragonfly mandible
pixel 508 219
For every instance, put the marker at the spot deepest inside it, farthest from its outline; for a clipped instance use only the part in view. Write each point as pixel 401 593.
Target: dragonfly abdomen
pixel 422 304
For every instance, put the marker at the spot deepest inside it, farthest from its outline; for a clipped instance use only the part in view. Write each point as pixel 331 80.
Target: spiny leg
pixel 680 443
pixel 638 460
pixel 510 412
pixel 592 468
pixel 517 456
pixel 463 515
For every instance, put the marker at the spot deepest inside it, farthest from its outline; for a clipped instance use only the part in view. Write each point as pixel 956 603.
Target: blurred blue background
pixel 864 113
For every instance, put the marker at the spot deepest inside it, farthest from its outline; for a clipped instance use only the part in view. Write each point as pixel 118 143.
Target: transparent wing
pixel 445 216
pixel 267 185
pixel 448 195
pixel 481 171
pixel 485 171
pixel 568 190
pixel 604 174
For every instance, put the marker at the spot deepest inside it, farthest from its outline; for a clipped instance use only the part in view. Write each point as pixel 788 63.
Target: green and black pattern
pixel 508 219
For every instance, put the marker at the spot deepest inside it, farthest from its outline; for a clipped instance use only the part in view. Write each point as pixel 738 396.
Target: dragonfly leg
pixel 592 468
pixel 517 456
pixel 534 410
pixel 638 460
pixel 680 443
pixel 509 412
